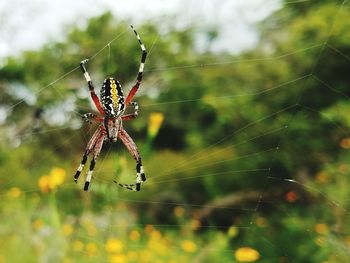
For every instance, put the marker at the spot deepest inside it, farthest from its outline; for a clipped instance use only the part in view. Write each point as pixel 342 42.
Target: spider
pixel 111 107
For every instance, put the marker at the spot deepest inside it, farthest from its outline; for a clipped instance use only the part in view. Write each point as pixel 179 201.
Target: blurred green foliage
pixel 235 127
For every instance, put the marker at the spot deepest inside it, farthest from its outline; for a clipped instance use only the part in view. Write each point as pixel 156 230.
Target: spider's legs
pixel 132 115
pixel 105 123
pixel 131 146
pixel 89 148
pixel 81 166
pixel 89 117
pixel 140 74
pixel 96 151
pixel 91 87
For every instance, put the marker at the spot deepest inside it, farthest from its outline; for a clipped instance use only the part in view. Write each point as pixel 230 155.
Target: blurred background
pixel 243 129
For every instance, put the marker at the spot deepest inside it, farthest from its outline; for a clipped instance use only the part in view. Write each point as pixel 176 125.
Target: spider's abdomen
pixel 112 97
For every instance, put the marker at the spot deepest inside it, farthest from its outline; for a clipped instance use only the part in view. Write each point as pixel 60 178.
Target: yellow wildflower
pixel 155 121
pixel 91 249
pixel 155 235
pixel 188 246
pixel 134 235
pixel 195 224
pixel 78 245
pixel 114 246
pixel 57 176
pixel 118 258
pixel 246 254
pixel 321 177
pixel 49 182
pixel 14 192
pixel 261 222
pixel 67 229
pixel 179 211
pixel 157 246
pixel 232 231
pixel 149 229
pixel 44 184
pixel 345 143
pixel 321 229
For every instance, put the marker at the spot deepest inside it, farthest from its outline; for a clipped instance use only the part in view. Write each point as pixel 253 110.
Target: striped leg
pixel 105 123
pixel 140 74
pixel 91 86
pixel 89 117
pixel 132 115
pixel 89 148
pixel 81 166
pixel 96 151
pixel 131 146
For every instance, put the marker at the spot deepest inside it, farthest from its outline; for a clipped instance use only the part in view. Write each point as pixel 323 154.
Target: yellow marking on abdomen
pixel 114 94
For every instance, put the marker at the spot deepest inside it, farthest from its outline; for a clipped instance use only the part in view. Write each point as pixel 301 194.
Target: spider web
pixel 250 132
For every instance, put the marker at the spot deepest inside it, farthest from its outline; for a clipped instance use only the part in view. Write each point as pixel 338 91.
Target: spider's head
pixel 112 97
